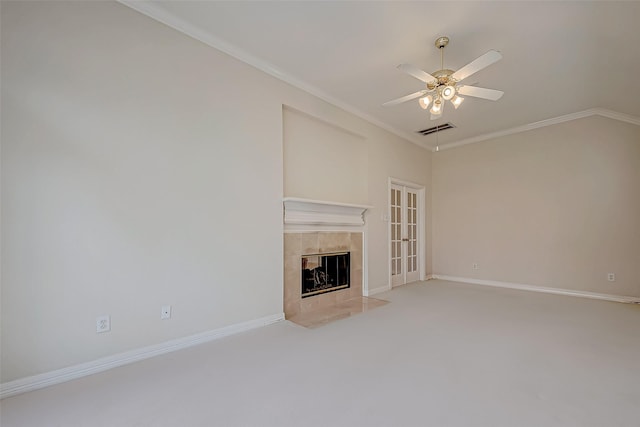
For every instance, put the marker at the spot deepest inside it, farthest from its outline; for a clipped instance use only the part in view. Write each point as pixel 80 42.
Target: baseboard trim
pixel 58 376
pixel 533 288
pixel 377 291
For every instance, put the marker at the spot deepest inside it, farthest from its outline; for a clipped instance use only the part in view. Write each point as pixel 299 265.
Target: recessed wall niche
pixel 323 161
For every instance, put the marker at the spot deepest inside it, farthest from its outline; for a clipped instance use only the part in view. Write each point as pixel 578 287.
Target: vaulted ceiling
pixel 559 58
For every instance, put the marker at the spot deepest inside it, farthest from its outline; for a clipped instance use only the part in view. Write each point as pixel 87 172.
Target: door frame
pixel 422 235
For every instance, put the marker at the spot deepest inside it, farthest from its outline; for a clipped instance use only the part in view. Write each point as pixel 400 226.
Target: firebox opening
pixel 323 273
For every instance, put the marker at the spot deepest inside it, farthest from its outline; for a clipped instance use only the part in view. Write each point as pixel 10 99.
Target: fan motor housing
pixel 443 78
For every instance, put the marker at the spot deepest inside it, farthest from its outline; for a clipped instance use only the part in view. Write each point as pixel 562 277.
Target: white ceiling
pixel 559 58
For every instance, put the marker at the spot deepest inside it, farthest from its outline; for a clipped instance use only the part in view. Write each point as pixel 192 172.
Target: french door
pixel 404 234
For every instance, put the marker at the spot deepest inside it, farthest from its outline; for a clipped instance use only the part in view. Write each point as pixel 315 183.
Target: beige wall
pixel 369 156
pixel 138 171
pixel 323 161
pixel 130 180
pixel 555 207
pixel 406 162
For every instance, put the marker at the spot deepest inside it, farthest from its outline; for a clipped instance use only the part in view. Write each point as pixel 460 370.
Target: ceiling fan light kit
pixel 456 101
pixel 424 102
pixel 437 107
pixel 443 84
pixel 448 92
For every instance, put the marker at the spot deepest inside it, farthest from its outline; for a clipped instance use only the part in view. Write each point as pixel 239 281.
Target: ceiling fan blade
pixel 416 72
pixel 477 65
pixel 404 98
pixel 480 92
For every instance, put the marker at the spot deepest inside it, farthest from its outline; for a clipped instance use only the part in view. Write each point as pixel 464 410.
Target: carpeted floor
pixel 438 354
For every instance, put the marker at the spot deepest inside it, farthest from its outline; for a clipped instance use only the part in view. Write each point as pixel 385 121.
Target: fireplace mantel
pixel 299 211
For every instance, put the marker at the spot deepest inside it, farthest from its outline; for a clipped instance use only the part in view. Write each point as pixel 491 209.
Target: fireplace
pixel 311 245
pixel 314 230
pixel 322 273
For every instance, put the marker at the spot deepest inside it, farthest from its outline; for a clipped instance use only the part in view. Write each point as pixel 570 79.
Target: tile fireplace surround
pixel 306 243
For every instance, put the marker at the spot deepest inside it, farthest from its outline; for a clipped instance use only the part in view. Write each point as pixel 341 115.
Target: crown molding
pixel 163 16
pixel 156 12
pixel 627 118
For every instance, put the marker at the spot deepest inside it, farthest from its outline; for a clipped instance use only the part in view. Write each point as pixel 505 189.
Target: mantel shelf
pixel 317 212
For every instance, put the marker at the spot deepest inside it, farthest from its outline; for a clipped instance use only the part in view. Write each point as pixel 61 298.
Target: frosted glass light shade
pixel 425 101
pixel 437 107
pixel 448 92
pixel 457 100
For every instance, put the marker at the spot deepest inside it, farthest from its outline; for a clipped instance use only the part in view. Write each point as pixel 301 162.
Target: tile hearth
pixel 341 310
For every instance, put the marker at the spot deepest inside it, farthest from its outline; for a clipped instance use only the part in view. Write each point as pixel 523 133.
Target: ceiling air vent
pixel 434 129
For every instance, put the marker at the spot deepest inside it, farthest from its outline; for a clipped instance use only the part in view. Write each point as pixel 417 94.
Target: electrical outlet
pixel 611 277
pixel 165 313
pixel 103 324
pixel 475 266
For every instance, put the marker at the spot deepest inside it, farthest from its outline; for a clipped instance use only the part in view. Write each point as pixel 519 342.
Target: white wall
pixel 554 207
pixel 138 171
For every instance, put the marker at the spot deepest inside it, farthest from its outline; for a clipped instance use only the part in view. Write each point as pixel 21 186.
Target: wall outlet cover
pixel 103 323
pixel 165 312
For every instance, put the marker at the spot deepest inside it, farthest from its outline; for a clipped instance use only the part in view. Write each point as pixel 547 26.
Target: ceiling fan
pixel 443 85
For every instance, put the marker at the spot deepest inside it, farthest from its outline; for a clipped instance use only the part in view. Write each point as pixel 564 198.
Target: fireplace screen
pixel 324 273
